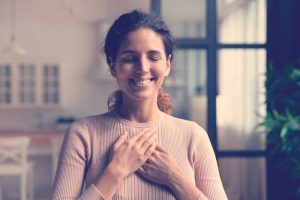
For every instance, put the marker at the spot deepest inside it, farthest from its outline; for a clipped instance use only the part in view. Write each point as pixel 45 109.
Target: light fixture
pixel 13 48
pixel 86 11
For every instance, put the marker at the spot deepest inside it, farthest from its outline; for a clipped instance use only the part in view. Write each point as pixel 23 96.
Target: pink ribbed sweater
pixel 86 147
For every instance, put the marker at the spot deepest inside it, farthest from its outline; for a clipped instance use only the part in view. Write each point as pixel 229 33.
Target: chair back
pixel 13 150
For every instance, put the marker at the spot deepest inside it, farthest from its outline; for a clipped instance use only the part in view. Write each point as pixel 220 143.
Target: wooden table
pixel 40 139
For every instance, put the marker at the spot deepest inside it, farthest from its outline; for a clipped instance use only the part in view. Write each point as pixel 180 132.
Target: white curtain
pixel 239 101
pixel 241 97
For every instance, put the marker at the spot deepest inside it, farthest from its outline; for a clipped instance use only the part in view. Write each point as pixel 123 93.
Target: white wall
pixel 51 34
pixel 74 46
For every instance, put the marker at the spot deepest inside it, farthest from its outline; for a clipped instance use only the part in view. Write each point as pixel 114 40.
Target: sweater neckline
pixel 138 124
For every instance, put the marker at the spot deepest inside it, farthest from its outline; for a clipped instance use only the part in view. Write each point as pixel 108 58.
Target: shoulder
pixel 188 125
pixel 188 131
pixel 84 128
pixel 191 134
pixel 96 119
pixel 93 121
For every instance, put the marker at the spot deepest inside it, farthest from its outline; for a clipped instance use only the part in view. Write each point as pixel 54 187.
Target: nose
pixel 142 66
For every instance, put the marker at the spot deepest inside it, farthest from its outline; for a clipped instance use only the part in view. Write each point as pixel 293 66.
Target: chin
pixel 142 95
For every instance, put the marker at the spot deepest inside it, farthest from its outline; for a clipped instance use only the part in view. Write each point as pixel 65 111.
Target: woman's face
pixel 141 65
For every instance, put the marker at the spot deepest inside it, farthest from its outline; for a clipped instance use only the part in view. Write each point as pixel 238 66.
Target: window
pixel 189 20
pixel 26 76
pixel 241 56
pixel 5 84
pixel 187 80
pixel 29 85
pixel 219 71
pixel 51 84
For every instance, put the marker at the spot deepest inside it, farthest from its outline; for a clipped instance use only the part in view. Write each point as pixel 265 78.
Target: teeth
pixel 141 82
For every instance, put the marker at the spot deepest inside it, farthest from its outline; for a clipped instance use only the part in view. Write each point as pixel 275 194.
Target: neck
pixel 143 111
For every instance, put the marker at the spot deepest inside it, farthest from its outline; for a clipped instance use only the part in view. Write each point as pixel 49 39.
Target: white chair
pixel 14 161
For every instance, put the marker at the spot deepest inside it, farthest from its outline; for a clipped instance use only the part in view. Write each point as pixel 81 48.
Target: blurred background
pixel 52 72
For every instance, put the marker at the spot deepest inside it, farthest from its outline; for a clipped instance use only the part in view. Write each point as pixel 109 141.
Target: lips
pixel 142 82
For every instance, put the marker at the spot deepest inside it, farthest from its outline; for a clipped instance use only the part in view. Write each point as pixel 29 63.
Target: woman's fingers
pixel 161 149
pixel 141 170
pixel 142 140
pixel 140 137
pixel 144 170
pixel 147 142
pixel 130 153
pixel 122 138
pixel 150 150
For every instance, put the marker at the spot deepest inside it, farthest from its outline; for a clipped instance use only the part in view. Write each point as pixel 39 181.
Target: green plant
pixel 282 121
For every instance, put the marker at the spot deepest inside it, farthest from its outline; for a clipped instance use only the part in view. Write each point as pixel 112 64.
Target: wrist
pixel 175 183
pixel 115 172
pixel 175 179
pixel 183 187
pixel 109 181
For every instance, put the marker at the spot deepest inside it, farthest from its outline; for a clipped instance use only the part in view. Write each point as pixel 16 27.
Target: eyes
pixel 134 58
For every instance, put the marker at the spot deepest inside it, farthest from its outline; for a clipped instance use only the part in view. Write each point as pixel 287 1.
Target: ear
pixel 112 67
pixel 168 66
pixel 112 71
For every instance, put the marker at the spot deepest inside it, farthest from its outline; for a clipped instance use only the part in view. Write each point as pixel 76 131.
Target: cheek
pixel 122 85
pixel 121 79
pixel 162 72
pixel 124 69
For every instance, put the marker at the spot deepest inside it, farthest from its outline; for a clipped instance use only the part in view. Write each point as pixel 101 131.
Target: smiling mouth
pixel 142 82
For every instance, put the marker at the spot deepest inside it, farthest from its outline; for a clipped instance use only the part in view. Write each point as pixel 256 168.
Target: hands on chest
pixel 141 153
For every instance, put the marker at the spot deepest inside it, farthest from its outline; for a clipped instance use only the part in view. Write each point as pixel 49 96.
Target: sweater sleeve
pixel 207 175
pixel 73 162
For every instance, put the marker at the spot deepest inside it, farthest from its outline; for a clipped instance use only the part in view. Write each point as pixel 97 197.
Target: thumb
pixel 121 139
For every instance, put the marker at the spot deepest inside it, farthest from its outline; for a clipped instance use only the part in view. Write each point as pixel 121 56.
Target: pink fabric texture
pixel 85 153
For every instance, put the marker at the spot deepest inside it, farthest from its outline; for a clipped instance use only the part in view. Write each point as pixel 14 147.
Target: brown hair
pixel 125 24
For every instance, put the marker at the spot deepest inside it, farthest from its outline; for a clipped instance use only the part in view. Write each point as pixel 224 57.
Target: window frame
pixel 212 46
pixel 38 88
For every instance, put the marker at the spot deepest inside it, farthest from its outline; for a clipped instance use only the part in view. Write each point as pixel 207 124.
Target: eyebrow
pixel 149 52
pixel 154 52
pixel 128 51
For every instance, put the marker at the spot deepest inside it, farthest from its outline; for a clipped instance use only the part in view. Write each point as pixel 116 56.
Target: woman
pixel 137 150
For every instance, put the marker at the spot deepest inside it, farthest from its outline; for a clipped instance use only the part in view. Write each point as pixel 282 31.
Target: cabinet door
pixel 5 84
pixel 29 85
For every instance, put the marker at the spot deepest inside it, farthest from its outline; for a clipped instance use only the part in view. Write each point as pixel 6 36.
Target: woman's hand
pixel 161 168
pixel 128 154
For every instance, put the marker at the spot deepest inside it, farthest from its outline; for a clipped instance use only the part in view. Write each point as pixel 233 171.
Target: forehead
pixel 143 39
